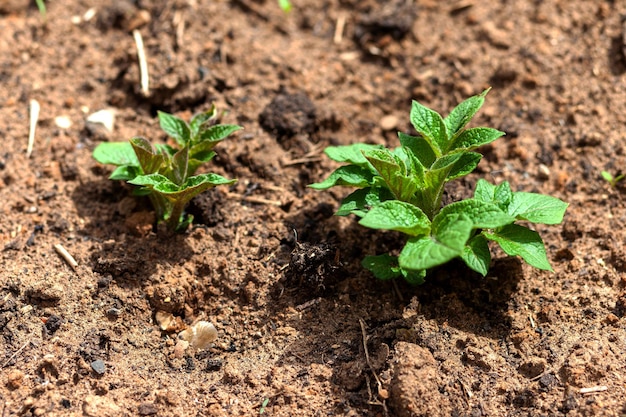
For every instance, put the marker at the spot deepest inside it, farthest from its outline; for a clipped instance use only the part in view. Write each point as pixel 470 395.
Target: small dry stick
pixel 34 117
pixel 15 354
pixel 179 23
pixel 381 391
pixel 256 200
pixel 598 388
pixel 66 256
pixel 341 24
pixel 143 63
pixel 301 161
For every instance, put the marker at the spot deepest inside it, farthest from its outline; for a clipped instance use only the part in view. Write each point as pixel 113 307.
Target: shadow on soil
pixel 340 303
pixel 131 259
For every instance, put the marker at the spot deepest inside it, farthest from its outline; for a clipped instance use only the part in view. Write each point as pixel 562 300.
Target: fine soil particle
pixel 302 328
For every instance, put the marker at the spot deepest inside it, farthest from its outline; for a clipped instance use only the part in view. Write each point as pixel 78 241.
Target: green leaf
pixel 516 240
pixel 115 153
pixel 481 214
pixel 399 216
pixel 125 173
pixel 453 229
pixel 460 116
pixel 165 149
pixel 383 267
pixel 473 138
pixel 198 184
pixel 285 5
pixel 422 253
pixel 414 277
pixel 430 125
pixel 149 159
pixel 537 208
pixel 193 186
pixel 197 122
pixel 156 182
pixel 415 169
pixel 394 172
pixel 453 166
pixel 420 147
pixel 175 127
pixel 476 254
pixel 484 191
pixel 465 165
pixel 500 195
pixel 202 153
pixel 360 201
pixel 199 153
pixel 503 195
pixel 352 154
pixel 180 164
pixel 218 133
pixel 449 235
pixel 349 175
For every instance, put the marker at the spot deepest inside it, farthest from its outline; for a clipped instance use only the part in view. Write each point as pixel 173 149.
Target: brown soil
pixel 303 329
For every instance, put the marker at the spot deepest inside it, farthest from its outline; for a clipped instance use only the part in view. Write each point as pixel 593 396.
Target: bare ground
pixel 303 330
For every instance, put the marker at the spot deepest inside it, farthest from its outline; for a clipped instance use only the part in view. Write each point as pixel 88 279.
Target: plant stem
pixel 174 220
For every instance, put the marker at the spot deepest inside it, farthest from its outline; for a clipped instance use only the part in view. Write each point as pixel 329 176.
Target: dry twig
pixel 66 256
pixel 341 24
pixel 15 354
pixel 34 117
pixel 597 388
pixel 143 63
pixel 256 200
pixel 382 393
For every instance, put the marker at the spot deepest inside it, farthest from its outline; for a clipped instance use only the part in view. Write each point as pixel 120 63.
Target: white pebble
pixel 200 336
pixel 105 117
pixel 388 122
pixel 63 122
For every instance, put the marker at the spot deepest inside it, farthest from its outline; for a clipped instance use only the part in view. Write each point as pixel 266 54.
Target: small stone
pixel 543 172
pixel 180 348
pixel 14 379
pixel 105 117
pixel 147 409
pixel 113 313
pixel 389 122
pixel 53 323
pixel 532 367
pixel 612 318
pixel 168 322
pixel 97 406
pixel 200 336
pixel 213 365
pixel 140 19
pixel 98 367
pixel 63 122
pixel 42 292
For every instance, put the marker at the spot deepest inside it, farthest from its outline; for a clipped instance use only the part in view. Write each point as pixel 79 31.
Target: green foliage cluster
pixel 166 173
pixel 401 189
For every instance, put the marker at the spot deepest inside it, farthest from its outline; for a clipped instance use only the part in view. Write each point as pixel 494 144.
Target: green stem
pixel 174 220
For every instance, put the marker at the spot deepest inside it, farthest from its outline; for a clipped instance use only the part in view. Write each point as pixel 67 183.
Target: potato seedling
pixel 166 173
pixel 285 5
pixel 401 189
pixel 41 5
pixel 612 180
